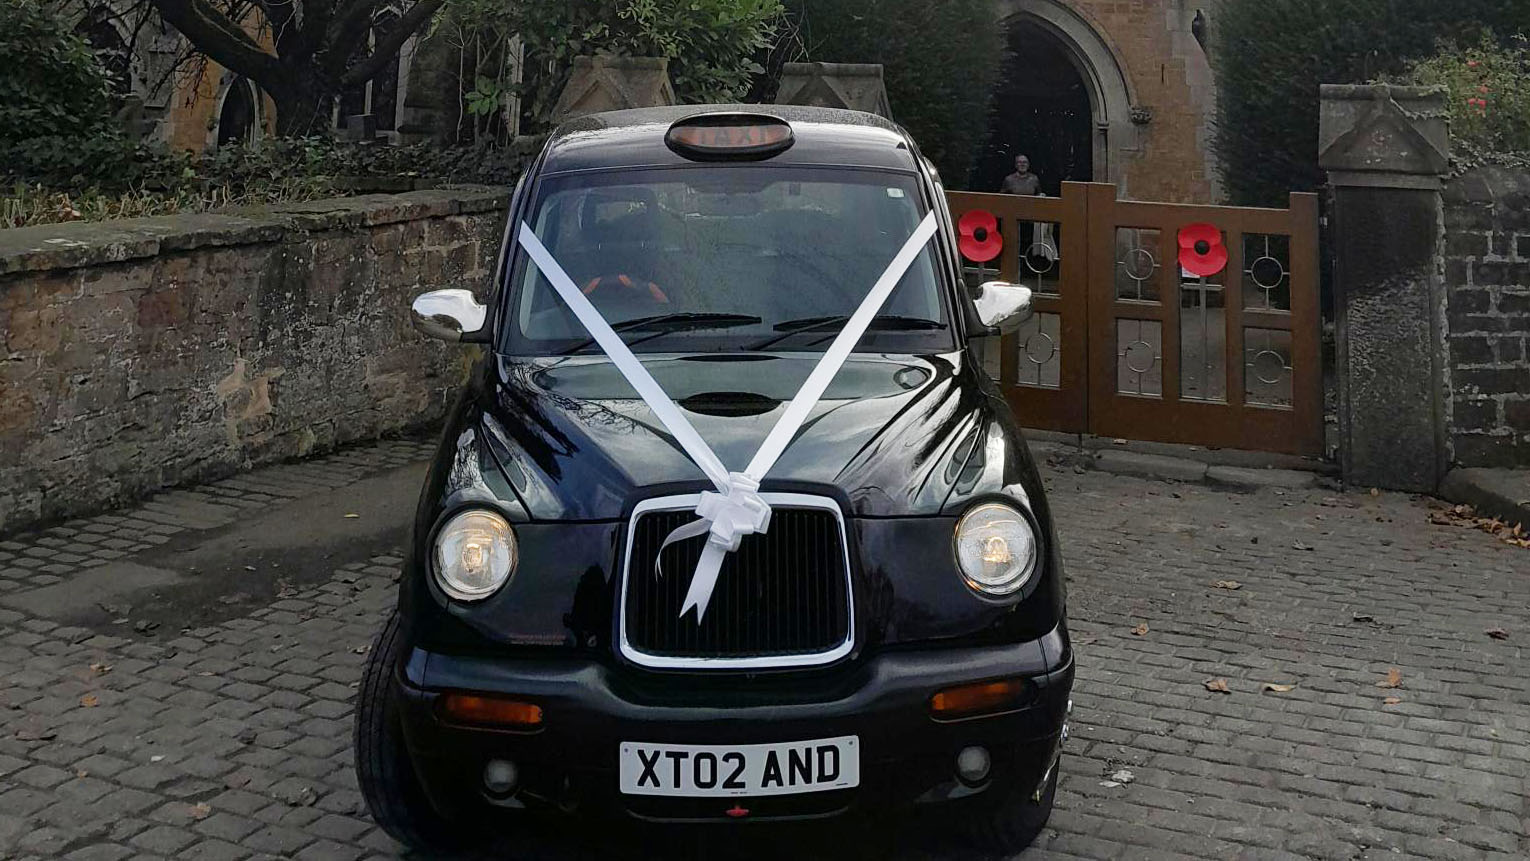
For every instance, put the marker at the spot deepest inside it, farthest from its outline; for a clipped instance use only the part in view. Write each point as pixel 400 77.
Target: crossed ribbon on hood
pixel 736 508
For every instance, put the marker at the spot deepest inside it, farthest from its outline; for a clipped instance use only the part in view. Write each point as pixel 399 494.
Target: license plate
pixel 697 770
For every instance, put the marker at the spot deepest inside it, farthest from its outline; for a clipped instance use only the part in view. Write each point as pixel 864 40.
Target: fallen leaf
pixel 1300 546
pixel 1217 686
pixel 361 650
pixel 1279 689
pixel 1497 633
pixel 1140 629
pixel 1227 584
pixel 200 810
pixel 100 669
pixel 1393 679
pixel 352 516
pixel 1391 701
pixel 1120 777
pixel 1364 617
pixel 80 772
pixel 89 701
pixel 157 757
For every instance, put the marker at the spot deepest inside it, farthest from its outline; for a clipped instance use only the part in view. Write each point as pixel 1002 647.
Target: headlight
pixel 995 549
pixel 475 554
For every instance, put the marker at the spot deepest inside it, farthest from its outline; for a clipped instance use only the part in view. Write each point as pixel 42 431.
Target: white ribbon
pixel 736 509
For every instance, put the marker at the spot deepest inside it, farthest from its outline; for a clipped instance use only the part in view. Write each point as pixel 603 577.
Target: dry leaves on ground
pixel 1279 689
pixel 1120 777
pixel 100 669
pixel 1466 516
pixel 1218 686
pixel 89 701
pixel 1227 584
pixel 200 810
pixel 1393 679
pixel 1140 629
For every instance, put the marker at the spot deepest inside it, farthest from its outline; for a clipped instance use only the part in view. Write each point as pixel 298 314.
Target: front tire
pixel 384 772
pixel 1009 822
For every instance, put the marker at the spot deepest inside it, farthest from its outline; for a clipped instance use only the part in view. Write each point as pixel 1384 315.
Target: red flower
pixel 1201 251
pixel 1472 63
pixel 980 239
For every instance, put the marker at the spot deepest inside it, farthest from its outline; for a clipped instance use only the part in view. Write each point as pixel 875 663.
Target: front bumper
pixel 589 708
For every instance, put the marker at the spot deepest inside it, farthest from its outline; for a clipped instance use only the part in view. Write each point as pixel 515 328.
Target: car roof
pixel 635 138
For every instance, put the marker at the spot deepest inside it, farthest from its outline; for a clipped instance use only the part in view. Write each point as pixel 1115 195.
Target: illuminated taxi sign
pixel 719 137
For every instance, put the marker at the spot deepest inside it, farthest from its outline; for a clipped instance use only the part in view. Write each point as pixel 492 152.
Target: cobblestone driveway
pixel 231 739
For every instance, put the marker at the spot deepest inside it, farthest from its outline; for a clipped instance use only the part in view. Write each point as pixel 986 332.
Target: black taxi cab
pixel 727 526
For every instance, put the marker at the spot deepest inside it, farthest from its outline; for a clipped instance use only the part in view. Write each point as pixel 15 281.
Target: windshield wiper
pixel 663 324
pixel 884 322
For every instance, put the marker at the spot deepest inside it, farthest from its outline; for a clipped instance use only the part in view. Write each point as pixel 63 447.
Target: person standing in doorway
pixel 1022 181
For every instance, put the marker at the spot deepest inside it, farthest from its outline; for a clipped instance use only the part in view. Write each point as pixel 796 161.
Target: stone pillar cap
pixel 1383 135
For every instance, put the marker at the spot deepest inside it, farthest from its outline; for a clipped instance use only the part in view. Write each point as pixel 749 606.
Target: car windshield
pixel 726 258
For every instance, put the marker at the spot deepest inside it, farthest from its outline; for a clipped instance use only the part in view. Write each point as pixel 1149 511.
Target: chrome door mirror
pixel 451 315
pixel 1002 305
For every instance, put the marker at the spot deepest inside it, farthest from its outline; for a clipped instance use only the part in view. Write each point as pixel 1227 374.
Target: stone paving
pixel 231 740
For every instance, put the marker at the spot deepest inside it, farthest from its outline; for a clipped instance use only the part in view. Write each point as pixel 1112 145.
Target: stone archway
pixel 236 112
pixel 1099 67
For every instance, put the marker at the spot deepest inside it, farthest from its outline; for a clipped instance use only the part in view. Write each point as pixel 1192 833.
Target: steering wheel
pixel 627 286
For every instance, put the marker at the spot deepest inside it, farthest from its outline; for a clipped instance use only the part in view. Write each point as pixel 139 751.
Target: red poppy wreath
pixel 980 239
pixel 1201 251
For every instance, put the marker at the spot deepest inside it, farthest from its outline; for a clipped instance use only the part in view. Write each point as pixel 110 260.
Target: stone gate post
pixel 1385 149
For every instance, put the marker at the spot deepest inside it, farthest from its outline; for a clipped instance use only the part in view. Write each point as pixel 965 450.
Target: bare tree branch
pixel 388 46
pixel 348 32
pixel 222 40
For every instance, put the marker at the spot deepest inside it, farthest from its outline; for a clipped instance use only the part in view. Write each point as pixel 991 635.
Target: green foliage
pixel 1270 56
pixel 939 60
pixel 1489 86
pixel 142 181
pixel 711 45
pixel 50 82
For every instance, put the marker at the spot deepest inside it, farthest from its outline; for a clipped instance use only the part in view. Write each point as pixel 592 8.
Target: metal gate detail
pixel 1129 341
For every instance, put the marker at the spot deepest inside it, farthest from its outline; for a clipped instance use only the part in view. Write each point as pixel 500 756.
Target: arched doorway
pixel 1055 56
pixel 1040 109
pixel 238 113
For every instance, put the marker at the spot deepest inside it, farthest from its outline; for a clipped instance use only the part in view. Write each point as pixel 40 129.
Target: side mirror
pixel 451 315
pixel 1002 305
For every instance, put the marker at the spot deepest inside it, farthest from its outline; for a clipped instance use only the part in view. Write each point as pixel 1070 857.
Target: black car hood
pixel 891 435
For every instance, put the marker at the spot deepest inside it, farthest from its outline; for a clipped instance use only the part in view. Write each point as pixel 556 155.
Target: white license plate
pixel 700 770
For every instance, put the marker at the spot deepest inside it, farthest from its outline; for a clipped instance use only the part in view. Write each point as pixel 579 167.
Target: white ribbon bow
pixel 736 509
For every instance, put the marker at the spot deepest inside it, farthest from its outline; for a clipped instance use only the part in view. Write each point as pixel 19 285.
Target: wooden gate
pixel 1126 342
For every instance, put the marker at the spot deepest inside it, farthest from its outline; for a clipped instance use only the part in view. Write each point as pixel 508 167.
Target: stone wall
pixel 1487 277
pixel 140 354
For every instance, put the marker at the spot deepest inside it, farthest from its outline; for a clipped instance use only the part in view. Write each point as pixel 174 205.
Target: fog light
pixel 472 708
pixel 500 777
pixel 981 698
pixel 972 765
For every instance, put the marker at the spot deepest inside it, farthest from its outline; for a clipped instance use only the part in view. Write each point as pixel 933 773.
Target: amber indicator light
pixel 980 698
pixel 491 711
pixel 727 136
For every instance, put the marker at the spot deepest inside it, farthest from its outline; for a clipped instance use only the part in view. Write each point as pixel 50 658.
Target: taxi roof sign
pixel 729 137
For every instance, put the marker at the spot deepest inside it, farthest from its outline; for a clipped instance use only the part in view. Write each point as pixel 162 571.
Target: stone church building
pixel 1106 90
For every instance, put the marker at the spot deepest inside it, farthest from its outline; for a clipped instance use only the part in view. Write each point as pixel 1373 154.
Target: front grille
pixel 784 594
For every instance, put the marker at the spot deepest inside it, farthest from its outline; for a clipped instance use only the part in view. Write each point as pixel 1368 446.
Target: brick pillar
pixel 1385 149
